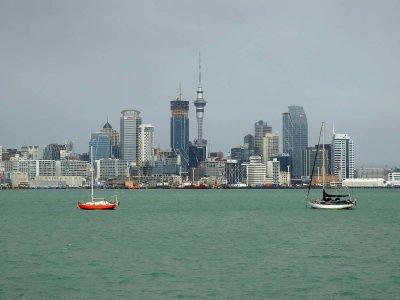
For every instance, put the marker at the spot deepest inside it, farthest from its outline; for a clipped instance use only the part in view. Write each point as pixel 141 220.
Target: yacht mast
pixel 323 155
pixel 91 170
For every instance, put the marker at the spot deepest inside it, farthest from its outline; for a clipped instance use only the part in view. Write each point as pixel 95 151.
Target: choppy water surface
pixel 204 244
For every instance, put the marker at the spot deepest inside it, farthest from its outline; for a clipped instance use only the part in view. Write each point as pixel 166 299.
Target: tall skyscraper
pixel 200 103
pixel 100 146
pixel 146 143
pixel 129 123
pixel 114 135
pixel 342 156
pixel 180 129
pixel 260 129
pixel 295 137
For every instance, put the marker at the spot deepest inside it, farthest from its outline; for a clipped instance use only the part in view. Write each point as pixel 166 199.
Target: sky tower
pixel 200 103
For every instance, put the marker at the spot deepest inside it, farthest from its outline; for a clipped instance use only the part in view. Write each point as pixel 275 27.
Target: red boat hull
pixel 97 207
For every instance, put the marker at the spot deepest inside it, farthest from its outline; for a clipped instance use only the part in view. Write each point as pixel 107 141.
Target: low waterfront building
pixel 364 182
pixel 110 168
pixel 33 167
pixel 284 178
pixel 213 167
pixel 369 173
pixel 394 179
pixel 46 168
pixel 19 179
pixel 58 182
pixel 72 168
pixel 234 172
pixel 255 171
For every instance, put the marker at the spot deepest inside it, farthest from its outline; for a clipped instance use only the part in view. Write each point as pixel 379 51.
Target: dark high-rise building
pixel 241 153
pixel 285 161
pixel 309 157
pixel 52 151
pixel 250 141
pixel 197 154
pixel 260 129
pixel 180 129
pixel 129 125
pixel 295 137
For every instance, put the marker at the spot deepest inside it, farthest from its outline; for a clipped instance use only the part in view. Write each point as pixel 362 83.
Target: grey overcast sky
pixel 65 66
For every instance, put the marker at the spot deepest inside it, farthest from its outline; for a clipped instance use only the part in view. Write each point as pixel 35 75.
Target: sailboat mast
pixel 323 155
pixel 315 160
pixel 91 170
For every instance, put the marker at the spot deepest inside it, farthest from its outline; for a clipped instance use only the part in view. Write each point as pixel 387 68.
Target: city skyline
pixel 69 66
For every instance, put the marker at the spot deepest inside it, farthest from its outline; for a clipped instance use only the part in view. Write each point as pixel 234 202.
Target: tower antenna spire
pixel 180 91
pixel 199 68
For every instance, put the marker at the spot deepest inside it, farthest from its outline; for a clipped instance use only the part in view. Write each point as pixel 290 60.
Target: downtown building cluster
pixel 129 159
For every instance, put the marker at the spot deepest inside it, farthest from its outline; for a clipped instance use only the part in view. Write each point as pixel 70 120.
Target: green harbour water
pixel 198 244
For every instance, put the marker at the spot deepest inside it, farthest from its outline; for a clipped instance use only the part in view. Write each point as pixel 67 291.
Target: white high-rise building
pixel 129 123
pixel 146 143
pixel 270 147
pixel 342 156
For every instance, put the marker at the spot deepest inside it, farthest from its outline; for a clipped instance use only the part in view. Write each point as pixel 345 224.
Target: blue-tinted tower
pixel 100 143
pixel 180 129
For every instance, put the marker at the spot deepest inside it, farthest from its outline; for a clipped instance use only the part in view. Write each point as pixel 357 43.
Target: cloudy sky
pixel 65 66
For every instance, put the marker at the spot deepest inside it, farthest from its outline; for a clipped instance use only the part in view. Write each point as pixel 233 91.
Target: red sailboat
pixel 98 203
